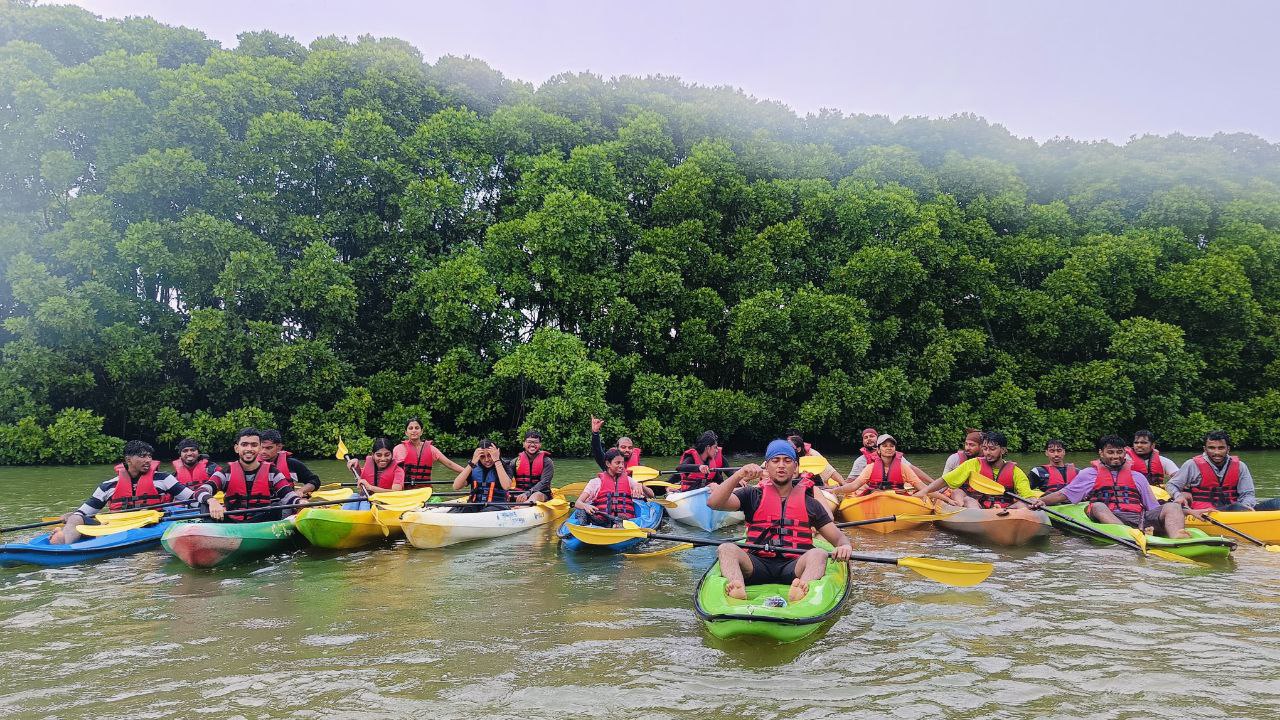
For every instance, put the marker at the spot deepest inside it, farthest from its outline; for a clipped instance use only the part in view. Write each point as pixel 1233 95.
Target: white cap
pixel 880 440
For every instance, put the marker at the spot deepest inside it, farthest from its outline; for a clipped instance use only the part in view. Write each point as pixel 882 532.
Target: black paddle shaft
pixel 766 548
pixel 1228 528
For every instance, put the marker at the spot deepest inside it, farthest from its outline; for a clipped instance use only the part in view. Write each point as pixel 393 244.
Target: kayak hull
pixel 208 545
pixel 1201 546
pixel 350 526
pixel 692 509
pixel 648 515
pixel 728 618
pixel 1010 526
pixel 436 527
pixel 884 503
pixel 38 550
pixel 1261 524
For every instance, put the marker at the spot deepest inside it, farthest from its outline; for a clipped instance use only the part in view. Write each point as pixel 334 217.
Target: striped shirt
pixel 165 483
pixel 282 491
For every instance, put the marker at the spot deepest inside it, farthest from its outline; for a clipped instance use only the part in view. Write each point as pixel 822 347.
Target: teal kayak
pixel 1200 546
pixel 766 612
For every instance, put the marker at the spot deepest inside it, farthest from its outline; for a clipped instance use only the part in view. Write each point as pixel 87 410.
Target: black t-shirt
pixel 750 498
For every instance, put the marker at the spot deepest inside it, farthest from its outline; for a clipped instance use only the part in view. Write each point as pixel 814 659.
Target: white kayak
pixel 692 509
pixel 434 526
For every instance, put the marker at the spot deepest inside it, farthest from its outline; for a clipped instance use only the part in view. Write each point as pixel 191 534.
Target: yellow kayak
pixel 884 503
pixel 1262 524
pixel 360 522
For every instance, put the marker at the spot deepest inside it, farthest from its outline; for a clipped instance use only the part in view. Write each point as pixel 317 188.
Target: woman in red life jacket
pixel 1057 473
pixel 418 456
pixel 192 468
pixel 380 472
pixel 698 465
pixel 487 479
pixel 888 471
pixel 610 497
pixel 781 515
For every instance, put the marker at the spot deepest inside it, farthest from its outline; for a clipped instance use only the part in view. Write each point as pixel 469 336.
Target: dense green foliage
pixel 337 236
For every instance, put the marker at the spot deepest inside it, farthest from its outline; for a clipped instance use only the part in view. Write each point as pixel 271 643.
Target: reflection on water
pixel 513 628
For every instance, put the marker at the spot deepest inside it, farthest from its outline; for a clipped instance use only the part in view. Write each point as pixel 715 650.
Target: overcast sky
pixel 1079 68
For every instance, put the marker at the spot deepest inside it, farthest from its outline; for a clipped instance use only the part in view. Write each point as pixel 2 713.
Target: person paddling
pixel 1144 458
pixel 250 482
pixel 1057 473
pixel 1216 480
pixel 969 449
pixel 1117 494
pixel 889 471
pixel 380 472
pixel 291 468
pixel 781 514
pixel 699 465
pixel 610 497
pixel 487 478
pixel 137 484
pixel 532 470
pixel 418 456
pixel 625 445
pixel 991 464
pixel 192 468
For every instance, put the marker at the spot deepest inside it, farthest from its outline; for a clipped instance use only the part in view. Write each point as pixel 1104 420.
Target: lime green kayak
pixel 766 612
pixel 1200 546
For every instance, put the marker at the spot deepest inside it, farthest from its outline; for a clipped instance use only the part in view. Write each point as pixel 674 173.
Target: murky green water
pixel 512 628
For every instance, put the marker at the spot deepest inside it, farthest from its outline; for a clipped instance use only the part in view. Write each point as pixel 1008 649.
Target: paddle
pixel 101 530
pixel 991 487
pixel 950 572
pixel 103 518
pixel 1250 538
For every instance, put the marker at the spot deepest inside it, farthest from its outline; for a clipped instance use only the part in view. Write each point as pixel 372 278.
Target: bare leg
pixel 811 566
pixel 960 497
pixel 69 532
pixel 1174 520
pixel 734 566
pixel 1101 513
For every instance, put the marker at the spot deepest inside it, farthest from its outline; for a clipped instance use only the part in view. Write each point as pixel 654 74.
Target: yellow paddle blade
pixel 1166 555
pixel 985 485
pixel 127 516
pixel 1140 538
pixel 643 472
pixel 116 527
pixel 338 493
pixel 813 464
pixel 592 535
pixel 328 486
pixel 1161 494
pixel 341 454
pixel 401 497
pixel 950 572
pixel 657 553
pixel 661 484
pixel 662 501
pixel 573 488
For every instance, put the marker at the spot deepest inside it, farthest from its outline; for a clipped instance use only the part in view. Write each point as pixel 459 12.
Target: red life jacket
pixel 1117 492
pixel 1214 491
pixel 616 496
pixel 889 478
pixel 281 464
pixel 528 473
pixel 192 477
pixel 869 455
pixel 1059 477
pixel 485 486
pixel 634 460
pixel 130 495
pixel 779 526
pixel 417 465
pixel 695 480
pixel 1152 470
pixel 1005 479
pixel 240 495
pixel 386 478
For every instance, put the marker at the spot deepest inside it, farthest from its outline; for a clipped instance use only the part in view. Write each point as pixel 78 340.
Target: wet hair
pixel 381 444
pixel 414 419
pixel 1218 435
pixel 1111 441
pixel 272 436
pixel 1146 434
pixel 531 433
pixel 185 443
pixel 796 439
pixel 995 437
pixel 134 448
pixel 1055 442
pixel 248 432
pixel 610 454
pixel 705 440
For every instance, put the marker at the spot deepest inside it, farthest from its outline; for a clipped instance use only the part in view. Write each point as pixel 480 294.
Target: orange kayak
pixel 883 504
pixel 1008 526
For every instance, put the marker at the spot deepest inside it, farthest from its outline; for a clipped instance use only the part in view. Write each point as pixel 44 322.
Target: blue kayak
pixel 648 515
pixel 38 551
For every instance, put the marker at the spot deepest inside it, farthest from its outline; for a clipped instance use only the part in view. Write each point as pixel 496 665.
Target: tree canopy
pixel 331 238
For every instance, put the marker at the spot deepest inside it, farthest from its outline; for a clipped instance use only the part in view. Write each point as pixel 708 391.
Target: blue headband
pixel 780 447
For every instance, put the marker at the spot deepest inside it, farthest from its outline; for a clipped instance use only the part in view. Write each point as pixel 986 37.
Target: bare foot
pixel 1149 531
pixel 736 591
pixel 799 588
pixel 1182 535
pixel 56 537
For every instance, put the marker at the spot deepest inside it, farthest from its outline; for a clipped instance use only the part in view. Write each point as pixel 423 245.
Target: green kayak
pixel 206 545
pixel 1200 546
pixel 766 612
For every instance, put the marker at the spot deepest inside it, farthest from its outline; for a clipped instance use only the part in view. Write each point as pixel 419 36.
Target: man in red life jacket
pixel 699 465
pixel 1216 480
pixel 532 470
pixel 192 468
pixel 1057 473
pixel 1145 459
pixel 272 452
pixel 630 452
pixel 969 449
pixel 1117 494
pixel 138 483
pixel 888 471
pixel 250 482
pixel 779 513
pixel 992 464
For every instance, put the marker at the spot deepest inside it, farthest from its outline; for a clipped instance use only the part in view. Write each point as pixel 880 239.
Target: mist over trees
pixel 331 238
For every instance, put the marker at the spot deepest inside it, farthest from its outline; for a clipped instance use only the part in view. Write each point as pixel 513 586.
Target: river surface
pixel 513 628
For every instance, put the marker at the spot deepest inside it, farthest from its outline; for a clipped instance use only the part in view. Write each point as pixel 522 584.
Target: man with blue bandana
pixel 780 514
